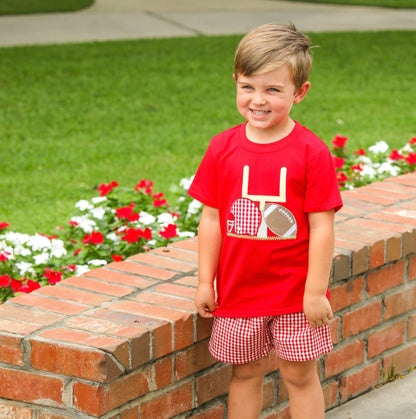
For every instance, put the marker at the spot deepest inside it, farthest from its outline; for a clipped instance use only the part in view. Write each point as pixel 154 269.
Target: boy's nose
pixel 259 99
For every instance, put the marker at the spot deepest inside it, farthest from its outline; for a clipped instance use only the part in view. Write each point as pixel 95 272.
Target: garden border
pixel 124 341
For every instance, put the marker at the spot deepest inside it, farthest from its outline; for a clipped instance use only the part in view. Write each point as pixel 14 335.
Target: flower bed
pixel 121 222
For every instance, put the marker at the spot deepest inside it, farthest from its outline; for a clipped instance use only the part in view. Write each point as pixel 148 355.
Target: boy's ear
pixel 235 77
pixel 301 93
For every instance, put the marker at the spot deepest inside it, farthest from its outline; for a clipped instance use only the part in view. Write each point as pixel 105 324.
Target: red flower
pixel 412 141
pixel 411 158
pixel 93 238
pixel 338 162
pixel 395 155
pixel 72 223
pixel 360 152
pixel 30 286
pixel 3 256
pixel 147 234
pixel 341 178
pixel 359 167
pixel 53 276
pixel 169 231
pixel 77 251
pixel 132 235
pixel 4 280
pixel 145 186
pixel 4 225
pixel 117 258
pixel 15 285
pixel 106 189
pixel 339 142
pixel 127 212
pixel 158 200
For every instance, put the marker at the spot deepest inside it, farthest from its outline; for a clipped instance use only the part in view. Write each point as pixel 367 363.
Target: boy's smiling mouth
pixel 259 113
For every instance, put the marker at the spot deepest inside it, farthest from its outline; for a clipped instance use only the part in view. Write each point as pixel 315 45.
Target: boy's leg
pixel 245 396
pixel 306 398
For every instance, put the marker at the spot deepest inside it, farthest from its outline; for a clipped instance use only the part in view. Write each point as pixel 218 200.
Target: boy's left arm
pixel 321 249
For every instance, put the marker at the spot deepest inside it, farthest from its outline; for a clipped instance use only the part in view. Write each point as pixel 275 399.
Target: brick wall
pixel 124 341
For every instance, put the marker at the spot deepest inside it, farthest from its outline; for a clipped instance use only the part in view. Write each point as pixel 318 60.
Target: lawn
pixel 76 116
pixel 8 7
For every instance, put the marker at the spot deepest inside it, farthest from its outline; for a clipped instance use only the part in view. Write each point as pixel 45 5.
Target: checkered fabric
pixel 245 339
pixel 247 216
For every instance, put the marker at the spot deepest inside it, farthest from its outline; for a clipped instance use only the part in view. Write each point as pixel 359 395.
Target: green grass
pixel 8 7
pixel 76 116
pixel 397 4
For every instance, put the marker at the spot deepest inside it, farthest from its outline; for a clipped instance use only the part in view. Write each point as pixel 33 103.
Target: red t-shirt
pixel 263 193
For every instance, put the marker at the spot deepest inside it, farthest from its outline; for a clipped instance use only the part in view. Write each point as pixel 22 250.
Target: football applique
pixel 247 217
pixel 280 220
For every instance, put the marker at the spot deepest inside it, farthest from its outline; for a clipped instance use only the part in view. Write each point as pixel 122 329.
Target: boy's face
pixel 265 101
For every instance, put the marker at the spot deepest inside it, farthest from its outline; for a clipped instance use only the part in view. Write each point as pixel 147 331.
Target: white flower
pixel 41 259
pixel 186 182
pixel 20 250
pixel 16 238
pixel 146 218
pixel 165 219
pixel 379 147
pixel 38 242
pixel 58 248
pixel 81 269
pixel 186 234
pixel 83 205
pixel 194 207
pixel 85 223
pixel 98 213
pixel 387 167
pixel 97 262
pixel 98 199
pixel 113 237
pixel 24 267
pixel 368 171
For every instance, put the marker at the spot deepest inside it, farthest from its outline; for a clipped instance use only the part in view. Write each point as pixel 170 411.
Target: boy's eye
pixel 247 87
pixel 273 90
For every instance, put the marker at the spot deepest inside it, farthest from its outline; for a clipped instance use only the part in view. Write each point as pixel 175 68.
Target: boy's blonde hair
pixel 271 46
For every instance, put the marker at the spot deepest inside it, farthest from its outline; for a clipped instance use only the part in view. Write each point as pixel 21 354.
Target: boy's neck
pixel 269 135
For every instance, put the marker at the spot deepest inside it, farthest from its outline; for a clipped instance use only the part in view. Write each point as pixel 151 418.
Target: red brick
pixel 162 262
pixel 269 391
pixel 192 360
pixel 119 278
pixel 401 360
pixel 213 384
pixel 8 411
pixel 395 215
pixel 408 242
pixel 203 328
pixel 183 321
pixel 18 328
pixel 215 412
pixel 85 363
pixel 166 301
pixel 361 195
pixel 49 304
pixel 189 244
pixel 119 347
pixel 341 264
pixel 98 400
pixel 98 286
pixel 400 302
pixel 178 254
pixel 143 270
pixel 139 338
pixel 362 207
pixel 46 415
pixel 333 328
pixel 408 179
pixel 191 281
pixel 11 350
pixel 411 327
pixel 412 268
pixel 330 394
pixel 282 393
pixel 385 339
pixel 163 372
pixel 358 249
pixel 282 413
pixel 31 387
pixel 168 405
pixel 346 357
pixel 28 315
pixel 385 278
pixel 176 290
pixel 130 413
pixel 399 194
pixel 347 294
pixel 361 319
pixel 161 330
pixel 360 381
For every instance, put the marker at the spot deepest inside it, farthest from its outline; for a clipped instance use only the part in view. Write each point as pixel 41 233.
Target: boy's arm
pixel 209 247
pixel 321 249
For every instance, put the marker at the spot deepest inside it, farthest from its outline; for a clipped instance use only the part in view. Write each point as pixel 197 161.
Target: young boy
pixel 266 233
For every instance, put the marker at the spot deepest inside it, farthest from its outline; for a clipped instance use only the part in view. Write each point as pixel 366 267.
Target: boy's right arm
pixel 209 248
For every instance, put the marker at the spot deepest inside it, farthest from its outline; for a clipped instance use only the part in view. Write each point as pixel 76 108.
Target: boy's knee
pixel 298 373
pixel 252 370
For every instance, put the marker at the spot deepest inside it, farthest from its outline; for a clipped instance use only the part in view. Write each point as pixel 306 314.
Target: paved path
pixel 132 19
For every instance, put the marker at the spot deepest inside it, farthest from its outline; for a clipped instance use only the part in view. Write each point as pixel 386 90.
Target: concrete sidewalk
pixel 132 19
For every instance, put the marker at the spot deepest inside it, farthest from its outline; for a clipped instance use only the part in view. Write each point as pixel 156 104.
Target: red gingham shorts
pixel 245 339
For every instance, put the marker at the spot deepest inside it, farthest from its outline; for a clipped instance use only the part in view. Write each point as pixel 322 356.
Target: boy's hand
pixel 317 309
pixel 205 300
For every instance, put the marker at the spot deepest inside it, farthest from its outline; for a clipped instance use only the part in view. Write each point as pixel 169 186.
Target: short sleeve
pixel 204 187
pixel 322 190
